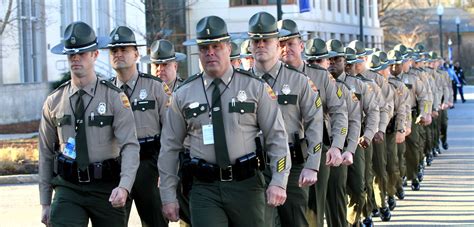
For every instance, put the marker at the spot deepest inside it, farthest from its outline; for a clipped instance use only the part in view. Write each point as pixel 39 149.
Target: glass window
pixel 339 6
pixel 356 7
pixel 370 7
pixel 329 5
pixel 348 6
pixel 258 2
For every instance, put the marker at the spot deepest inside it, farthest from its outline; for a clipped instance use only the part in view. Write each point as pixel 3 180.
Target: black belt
pixel 149 147
pixel 244 168
pixel 105 171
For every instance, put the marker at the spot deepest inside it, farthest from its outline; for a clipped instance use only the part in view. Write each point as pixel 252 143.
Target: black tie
pixel 124 88
pixel 268 78
pixel 82 154
pixel 220 145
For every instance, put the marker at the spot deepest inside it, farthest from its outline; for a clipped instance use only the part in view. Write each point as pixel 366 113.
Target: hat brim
pixel 195 41
pixel 384 66
pixel 100 44
pixel 376 68
pixel 278 34
pixel 355 61
pixel 232 57
pixel 330 54
pixel 178 57
pixel 290 36
pixel 109 46
pixel 366 52
pixel 246 55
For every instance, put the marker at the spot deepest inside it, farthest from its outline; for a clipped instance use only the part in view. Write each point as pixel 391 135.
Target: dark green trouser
pixel 293 211
pixel 234 203
pixel 413 154
pixel 443 131
pixel 272 219
pixel 356 187
pixel 369 179
pixel 184 213
pixel 146 195
pixel 318 192
pixel 435 126
pixel 73 206
pixel 336 200
pixel 393 166
pixel 401 148
pixel 379 161
pixel 427 140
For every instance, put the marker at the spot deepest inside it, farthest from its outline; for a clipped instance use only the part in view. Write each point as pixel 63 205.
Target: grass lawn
pixel 19 156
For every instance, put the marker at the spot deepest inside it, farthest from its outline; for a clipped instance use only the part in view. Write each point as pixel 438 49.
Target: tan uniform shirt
pixel 301 108
pixel 445 84
pixel 382 92
pixel 363 89
pixel 354 114
pixel 243 120
pixel 333 105
pixel 420 73
pixel 430 75
pixel 400 96
pixel 449 87
pixel 175 83
pixel 109 130
pixel 419 97
pixel 148 99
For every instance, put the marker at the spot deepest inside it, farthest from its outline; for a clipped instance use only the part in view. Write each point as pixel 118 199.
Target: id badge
pixel 207 134
pixel 70 148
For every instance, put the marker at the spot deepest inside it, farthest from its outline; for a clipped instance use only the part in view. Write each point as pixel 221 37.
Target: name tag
pixel 207 134
pixel 70 148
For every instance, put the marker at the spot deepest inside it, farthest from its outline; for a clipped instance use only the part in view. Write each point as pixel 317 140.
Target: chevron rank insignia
pixel 281 164
pixel 339 92
pixel 317 148
pixel 318 102
pixel 343 131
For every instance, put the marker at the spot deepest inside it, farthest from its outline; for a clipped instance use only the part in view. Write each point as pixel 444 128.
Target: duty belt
pixel 108 170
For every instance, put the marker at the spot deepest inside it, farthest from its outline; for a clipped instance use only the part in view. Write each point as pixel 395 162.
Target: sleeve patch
pixel 343 131
pixel 281 164
pixel 318 102
pixel 339 92
pixel 125 101
pixel 313 86
pixel 271 93
pixel 317 148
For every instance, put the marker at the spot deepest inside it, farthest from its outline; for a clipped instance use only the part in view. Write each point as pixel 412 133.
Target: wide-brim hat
pixel 122 36
pixel 316 49
pixel 245 49
pixel 162 51
pixel 79 37
pixel 336 46
pixel 292 27
pixel 263 25
pixel 210 29
pixel 374 63
pixel 360 49
pixel 351 57
pixel 235 52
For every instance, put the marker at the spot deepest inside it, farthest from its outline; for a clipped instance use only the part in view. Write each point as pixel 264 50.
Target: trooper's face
pixel 165 71
pixel 291 50
pixel 247 62
pixel 265 50
pixel 406 66
pixel 215 58
pixel 336 66
pixel 83 63
pixel 396 69
pixel 235 62
pixel 350 69
pixel 360 67
pixel 123 57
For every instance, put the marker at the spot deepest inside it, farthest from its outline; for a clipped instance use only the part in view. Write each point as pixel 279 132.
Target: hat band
pixel 121 44
pixel 162 60
pixel 212 40
pixel 76 50
pixel 261 35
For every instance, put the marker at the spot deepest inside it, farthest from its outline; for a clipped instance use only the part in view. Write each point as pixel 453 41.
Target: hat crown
pixel 289 25
pixel 78 34
pixel 394 55
pixel 382 56
pixel 315 47
pixel 419 48
pixel 335 45
pixel 433 55
pixel 235 49
pixel 122 34
pixel 402 48
pixel 358 46
pixel 211 27
pixel 374 61
pixel 350 54
pixel 162 49
pixel 262 22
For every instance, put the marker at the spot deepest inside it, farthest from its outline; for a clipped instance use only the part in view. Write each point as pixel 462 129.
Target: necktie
pixel 82 154
pixel 124 88
pixel 220 145
pixel 268 78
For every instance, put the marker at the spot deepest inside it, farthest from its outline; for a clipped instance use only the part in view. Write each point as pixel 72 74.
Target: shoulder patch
pixel 191 78
pixel 312 85
pixel 314 66
pixel 144 75
pixel 110 85
pixel 125 101
pixel 270 92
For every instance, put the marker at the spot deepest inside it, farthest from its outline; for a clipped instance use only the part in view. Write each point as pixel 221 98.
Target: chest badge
pixel 142 94
pixel 286 89
pixel 242 96
pixel 102 108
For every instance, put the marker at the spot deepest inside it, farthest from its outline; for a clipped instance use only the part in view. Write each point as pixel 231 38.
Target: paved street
pixel 446 196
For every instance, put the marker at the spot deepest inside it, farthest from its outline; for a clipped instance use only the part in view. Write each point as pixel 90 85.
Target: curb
pixel 19 179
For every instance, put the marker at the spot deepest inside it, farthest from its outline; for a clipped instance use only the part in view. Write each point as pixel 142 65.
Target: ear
pixel 95 54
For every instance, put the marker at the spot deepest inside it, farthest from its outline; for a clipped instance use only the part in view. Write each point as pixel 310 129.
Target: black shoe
pixel 429 159
pixel 437 150
pixel 463 101
pixel 445 146
pixel 435 154
pixel 400 194
pixel 404 181
pixel 375 213
pixel 385 214
pixel 452 107
pixel 420 175
pixel 415 185
pixel 368 222
pixel 392 203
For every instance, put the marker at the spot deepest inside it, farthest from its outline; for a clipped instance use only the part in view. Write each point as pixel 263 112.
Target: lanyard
pixel 205 94
pixel 134 86
pixel 276 78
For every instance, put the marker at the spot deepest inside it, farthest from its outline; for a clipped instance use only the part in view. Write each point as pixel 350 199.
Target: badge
pixel 242 96
pixel 143 94
pixel 286 89
pixel 102 108
pixel 116 37
pixel 315 89
pixel 193 105
pixel 73 40
pixel 406 81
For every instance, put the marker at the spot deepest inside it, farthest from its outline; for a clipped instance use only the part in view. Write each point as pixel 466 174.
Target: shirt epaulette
pixel 314 66
pixel 110 85
pixel 61 86
pixel 191 78
pixel 342 82
pixel 144 75
pixel 248 73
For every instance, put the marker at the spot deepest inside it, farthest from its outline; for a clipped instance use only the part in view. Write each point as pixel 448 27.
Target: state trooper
pixel 246 56
pixel 336 201
pixel 380 86
pixel 235 55
pixel 334 107
pixel 221 110
pixel 148 97
pixel 88 148
pixel 298 101
pixel 164 62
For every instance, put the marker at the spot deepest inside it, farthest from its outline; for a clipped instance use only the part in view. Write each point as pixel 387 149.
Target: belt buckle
pixel 226 177
pixel 79 178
